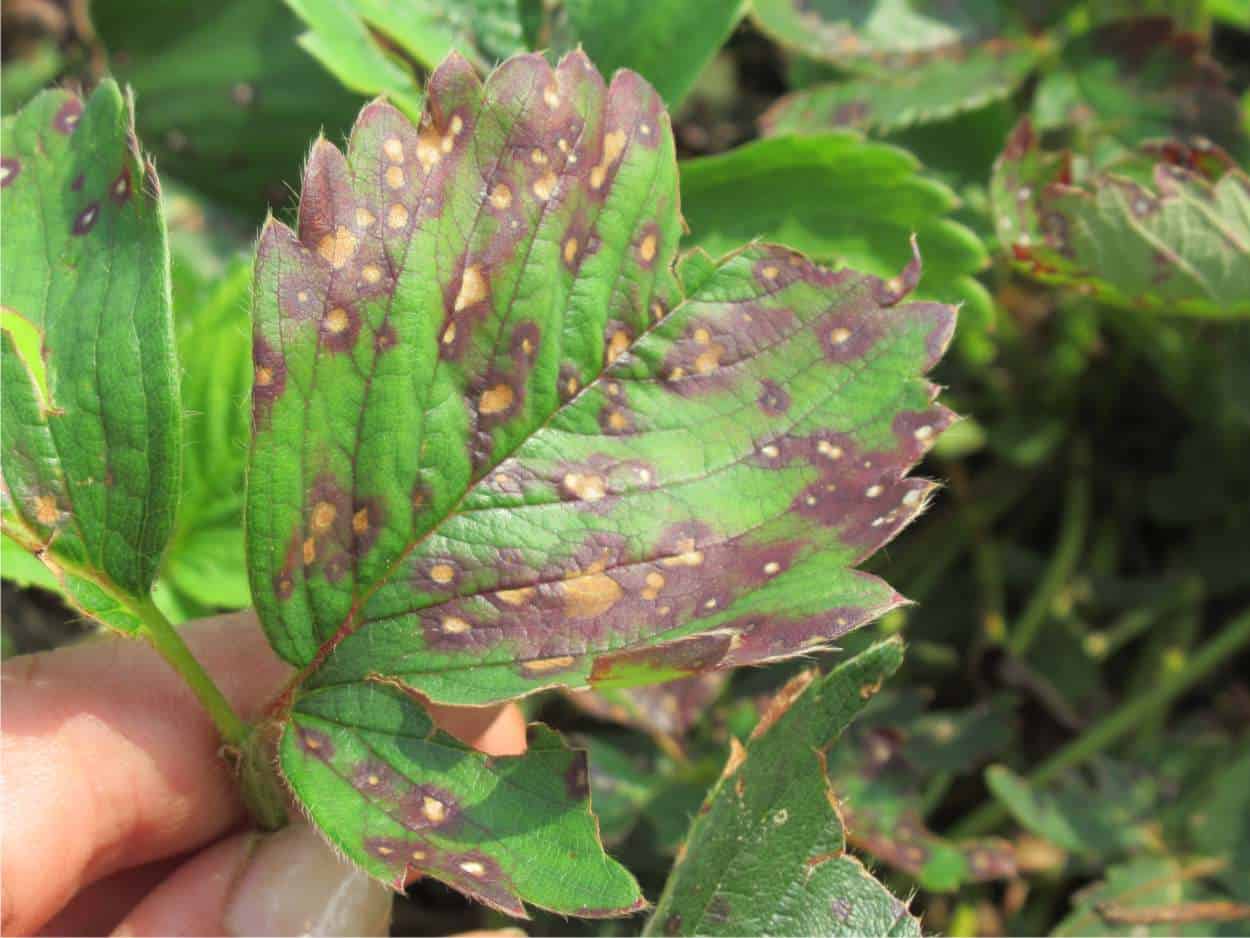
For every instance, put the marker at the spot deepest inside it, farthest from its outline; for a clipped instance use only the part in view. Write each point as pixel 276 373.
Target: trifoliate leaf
pixel 91 419
pixel 766 853
pixel 1167 229
pixel 497 449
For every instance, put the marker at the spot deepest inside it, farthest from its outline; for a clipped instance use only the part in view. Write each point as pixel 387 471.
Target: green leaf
pixel 934 90
pixel 766 854
pixel 394 793
pixel 840 31
pixel 622 784
pixel 496 452
pixel 1222 828
pixel 1134 80
pixel 91 419
pixel 839 198
pixel 227 100
pixel 1166 230
pixel 22 567
pixel 668 42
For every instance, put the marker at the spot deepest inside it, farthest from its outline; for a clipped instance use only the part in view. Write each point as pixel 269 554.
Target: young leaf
pixel 766 852
pixel 667 42
pixel 228 100
pixel 1168 230
pixel 394 793
pixel 934 90
pixel 1137 79
pixel 839 198
pixel 495 450
pixel 91 419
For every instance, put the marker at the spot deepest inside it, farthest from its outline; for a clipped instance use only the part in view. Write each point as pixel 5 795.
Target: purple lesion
pixel 86 219
pixel 268 379
pixel 10 169
pixel 67 116
pixel 314 743
pixel 480 877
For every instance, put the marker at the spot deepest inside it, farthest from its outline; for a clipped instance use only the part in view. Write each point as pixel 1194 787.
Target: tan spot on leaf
pixel 496 400
pixel 360 521
pixel 618 344
pixel 434 810
pixel 617 421
pixel 323 516
pixel 646 250
pixel 473 868
pixel 393 149
pixel 264 377
pixel 589 596
pixel 472 288
pixel 771 272
pixel 337 320
pixel 551 94
pixel 371 273
pixel 825 448
pixel 538 157
pixel 544 185
pixel 709 360
pixel 539 665
pixel 310 551
pixel 46 512
pixel 364 217
pixel 702 336
pixel 397 215
pixel 501 196
pixel 394 177
pixel 613 146
pixel 570 250
pixel 839 335
pixel 587 487
pixel 455 625
pixel 516 597
pixel 338 247
pixel 442 573
pixel 655 583
pixel 689 557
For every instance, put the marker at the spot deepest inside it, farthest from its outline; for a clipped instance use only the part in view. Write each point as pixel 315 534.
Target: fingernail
pixel 294 884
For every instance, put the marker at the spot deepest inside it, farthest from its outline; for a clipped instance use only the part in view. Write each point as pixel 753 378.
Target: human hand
pixel 120 815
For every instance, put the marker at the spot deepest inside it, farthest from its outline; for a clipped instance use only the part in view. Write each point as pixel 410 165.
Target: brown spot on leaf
pixel 67 116
pixel 9 170
pixel 85 220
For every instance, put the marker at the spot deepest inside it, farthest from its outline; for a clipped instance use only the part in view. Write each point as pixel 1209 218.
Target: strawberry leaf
pixel 766 853
pixel 934 90
pixel 498 447
pixel 91 419
pixel 393 793
pixel 1167 228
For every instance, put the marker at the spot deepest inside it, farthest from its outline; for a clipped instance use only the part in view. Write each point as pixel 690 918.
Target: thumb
pixel 286 883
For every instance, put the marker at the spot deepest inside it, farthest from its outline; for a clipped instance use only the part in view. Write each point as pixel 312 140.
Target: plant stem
pixel 1068 551
pixel 166 640
pixel 1123 720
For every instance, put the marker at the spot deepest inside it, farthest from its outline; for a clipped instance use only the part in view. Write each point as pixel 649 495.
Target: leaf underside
pixel 766 854
pixel 1167 228
pixel 90 406
pixel 499 447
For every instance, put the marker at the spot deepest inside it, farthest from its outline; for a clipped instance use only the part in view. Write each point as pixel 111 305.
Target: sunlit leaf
pixel 1167 229
pixel 91 419
pixel 498 447
pixel 766 854
pixel 665 711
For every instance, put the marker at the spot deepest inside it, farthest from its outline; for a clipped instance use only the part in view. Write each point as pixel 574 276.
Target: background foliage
pixel 1064 747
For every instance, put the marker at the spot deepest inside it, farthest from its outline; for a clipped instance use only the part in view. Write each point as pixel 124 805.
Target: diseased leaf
pixel 1167 230
pixel 668 42
pixel 622 784
pixel 840 31
pixel 1137 79
pixel 91 419
pixel 496 450
pixel 487 460
pixel 665 711
pixel 839 198
pixel 935 90
pixel 396 794
pixel 228 100
pixel 766 853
